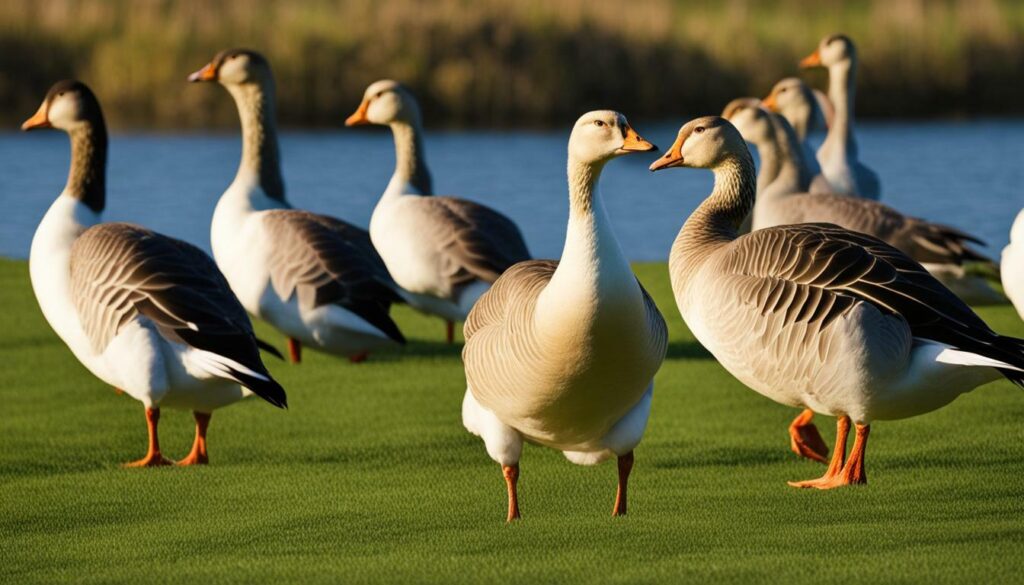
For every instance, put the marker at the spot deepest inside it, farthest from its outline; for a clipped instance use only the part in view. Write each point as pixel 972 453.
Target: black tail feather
pixel 265 346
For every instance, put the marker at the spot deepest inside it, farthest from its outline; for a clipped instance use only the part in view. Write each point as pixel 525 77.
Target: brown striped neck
pixel 87 177
pixel 260 151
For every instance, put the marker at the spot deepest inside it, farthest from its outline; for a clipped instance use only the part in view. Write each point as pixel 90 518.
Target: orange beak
pixel 769 103
pixel 634 143
pixel 672 158
pixel 38 120
pixel 207 73
pixel 812 60
pixel 358 118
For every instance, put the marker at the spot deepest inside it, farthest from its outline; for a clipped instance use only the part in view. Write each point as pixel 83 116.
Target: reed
pixel 500 63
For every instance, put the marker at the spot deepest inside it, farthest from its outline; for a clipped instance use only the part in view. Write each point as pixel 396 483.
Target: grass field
pixel 370 477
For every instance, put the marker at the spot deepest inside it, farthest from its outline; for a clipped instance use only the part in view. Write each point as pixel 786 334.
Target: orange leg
pixel 450 332
pixel 511 473
pixel 625 466
pixel 118 391
pixel 294 350
pixel 359 357
pixel 838 458
pixel 198 456
pixel 853 472
pixel 153 456
pixel 804 438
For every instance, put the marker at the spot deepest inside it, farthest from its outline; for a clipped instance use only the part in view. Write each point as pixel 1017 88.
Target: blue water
pixel 966 174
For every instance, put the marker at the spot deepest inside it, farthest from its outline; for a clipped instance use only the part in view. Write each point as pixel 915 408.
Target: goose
pixel 818 317
pixel 838 155
pixel 942 250
pixel 806 110
pixel 563 353
pixel 443 251
pixel 1013 265
pixel 315 278
pixel 148 314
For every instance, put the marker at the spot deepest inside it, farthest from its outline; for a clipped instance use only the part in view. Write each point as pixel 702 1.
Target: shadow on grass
pixel 687 350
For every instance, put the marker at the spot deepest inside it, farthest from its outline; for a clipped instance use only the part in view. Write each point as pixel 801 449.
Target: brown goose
pixel 315 278
pixel 816 316
pixel 443 251
pixel 145 313
pixel 563 354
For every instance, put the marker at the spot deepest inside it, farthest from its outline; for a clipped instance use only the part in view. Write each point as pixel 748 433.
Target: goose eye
pixel 699 129
pixel 783 90
pixel 379 93
pixel 598 123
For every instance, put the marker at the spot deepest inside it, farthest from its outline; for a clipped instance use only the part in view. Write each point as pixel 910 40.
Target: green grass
pixel 370 477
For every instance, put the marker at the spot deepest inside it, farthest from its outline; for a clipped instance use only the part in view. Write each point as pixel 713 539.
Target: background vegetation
pixel 501 62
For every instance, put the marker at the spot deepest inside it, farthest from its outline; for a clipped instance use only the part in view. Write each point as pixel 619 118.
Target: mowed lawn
pixel 370 477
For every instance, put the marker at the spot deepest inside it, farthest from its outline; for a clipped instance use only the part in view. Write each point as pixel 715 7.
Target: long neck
pixel 87 179
pixel 593 269
pixel 841 80
pixel 260 154
pixel 768 153
pixel 411 174
pixel 800 118
pixel 794 173
pixel 717 219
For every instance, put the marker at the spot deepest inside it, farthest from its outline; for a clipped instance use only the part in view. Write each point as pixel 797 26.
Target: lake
pixel 966 174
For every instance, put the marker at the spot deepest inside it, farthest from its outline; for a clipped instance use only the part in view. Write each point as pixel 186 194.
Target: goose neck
pixel 794 173
pixel 411 174
pixel 716 221
pixel 260 152
pixel 841 90
pixel 87 176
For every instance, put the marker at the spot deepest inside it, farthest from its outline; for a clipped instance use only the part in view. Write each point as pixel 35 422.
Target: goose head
pixel 235 67
pixel 789 95
pixel 832 50
pixel 386 102
pixel 602 135
pixel 68 105
pixel 750 119
pixel 703 143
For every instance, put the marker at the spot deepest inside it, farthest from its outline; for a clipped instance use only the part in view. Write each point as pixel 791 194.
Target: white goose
pixel 443 251
pixel 838 155
pixel 816 316
pixel 1013 265
pixel 150 315
pixel 943 250
pixel 315 278
pixel 563 354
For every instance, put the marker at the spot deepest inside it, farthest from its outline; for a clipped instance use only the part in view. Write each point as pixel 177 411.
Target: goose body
pixel 1012 268
pixel 145 313
pixel 563 353
pixel 443 251
pixel 941 249
pixel 807 110
pixel 816 316
pixel 315 278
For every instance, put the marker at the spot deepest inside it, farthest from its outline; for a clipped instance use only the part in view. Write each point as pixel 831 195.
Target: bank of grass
pixel 494 62
pixel 369 477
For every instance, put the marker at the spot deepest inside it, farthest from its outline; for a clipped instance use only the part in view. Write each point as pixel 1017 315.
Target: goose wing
pixel 475 241
pixel 818 272
pixel 326 261
pixel 120 271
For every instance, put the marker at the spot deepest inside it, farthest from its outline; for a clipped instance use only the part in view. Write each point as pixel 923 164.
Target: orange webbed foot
pixel 805 440
pixel 150 460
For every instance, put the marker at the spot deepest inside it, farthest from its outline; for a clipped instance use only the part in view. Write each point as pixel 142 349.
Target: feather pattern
pixel 325 261
pixel 121 272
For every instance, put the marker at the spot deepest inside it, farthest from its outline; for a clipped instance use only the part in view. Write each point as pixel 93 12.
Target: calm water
pixel 966 174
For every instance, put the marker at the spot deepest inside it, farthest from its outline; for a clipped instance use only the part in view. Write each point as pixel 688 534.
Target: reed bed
pixel 500 63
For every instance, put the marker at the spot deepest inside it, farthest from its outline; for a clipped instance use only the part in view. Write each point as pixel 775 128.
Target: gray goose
pixel 816 316
pixel 148 314
pixel 444 251
pixel 315 278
